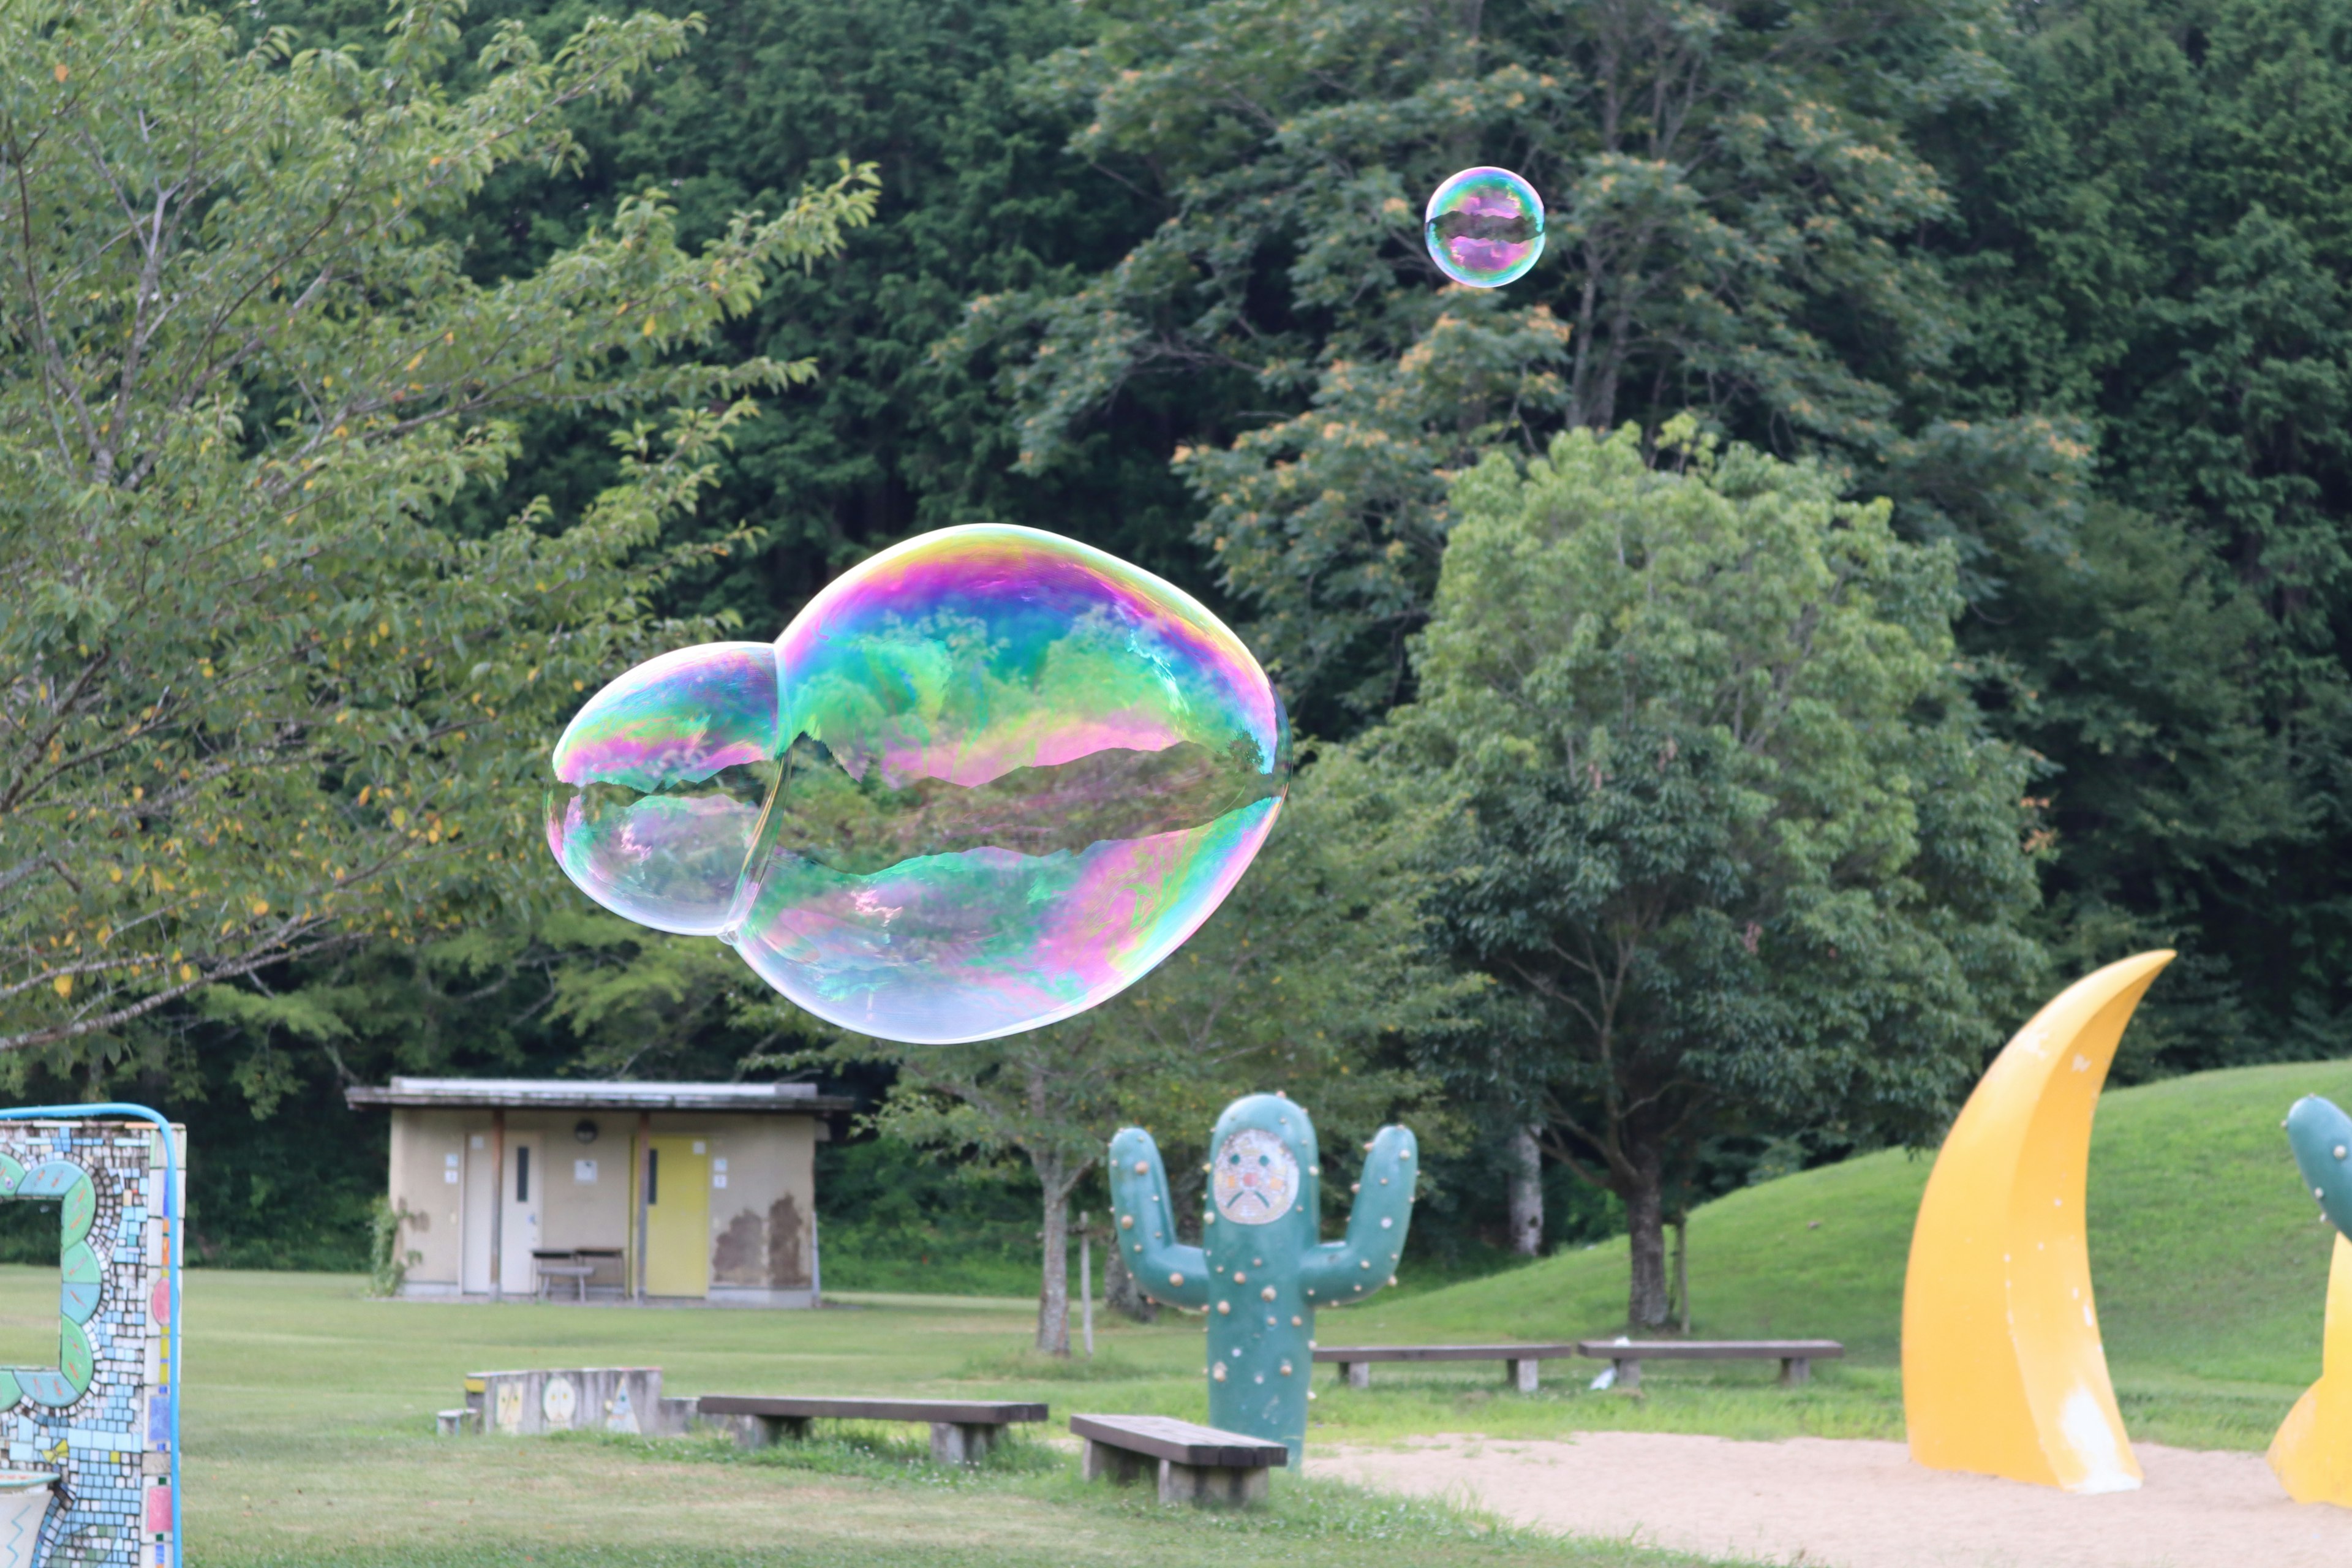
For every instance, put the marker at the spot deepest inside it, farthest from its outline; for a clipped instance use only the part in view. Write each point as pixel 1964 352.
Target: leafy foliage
pixel 1738 843
pixel 262 706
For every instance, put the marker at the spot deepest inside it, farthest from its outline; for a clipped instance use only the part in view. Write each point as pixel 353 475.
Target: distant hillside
pixel 2206 1253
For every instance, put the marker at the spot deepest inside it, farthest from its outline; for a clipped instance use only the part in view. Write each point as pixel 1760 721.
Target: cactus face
pixel 1261 1270
pixel 2321 1137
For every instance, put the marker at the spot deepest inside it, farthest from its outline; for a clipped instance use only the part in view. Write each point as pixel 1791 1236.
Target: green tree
pixel 1309 978
pixel 1733 210
pixel 264 706
pixel 1737 843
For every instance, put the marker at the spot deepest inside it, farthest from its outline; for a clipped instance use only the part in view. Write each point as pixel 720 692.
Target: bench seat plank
pixel 1353 1353
pixel 800 1407
pixel 1711 1350
pixel 1181 1441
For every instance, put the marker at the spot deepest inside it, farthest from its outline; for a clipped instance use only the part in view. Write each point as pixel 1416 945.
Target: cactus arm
pixel 1339 1272
pixel 2321 1136
pixel 1167 1270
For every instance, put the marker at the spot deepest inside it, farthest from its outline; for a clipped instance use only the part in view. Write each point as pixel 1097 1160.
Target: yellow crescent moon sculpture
pixel 2003 1372
pixel 2310 1453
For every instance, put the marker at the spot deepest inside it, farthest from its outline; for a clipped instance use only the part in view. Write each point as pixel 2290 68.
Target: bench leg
pixel 1522 1374
pixel 1118 1466
pixel 961 1442
pixel 1211 1483
pixel 1796 1371
pixel 1359 1373
pixel 762 1431
pixel 1629 1375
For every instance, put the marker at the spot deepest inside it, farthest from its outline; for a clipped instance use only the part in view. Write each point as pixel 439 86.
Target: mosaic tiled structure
pixel 100 1418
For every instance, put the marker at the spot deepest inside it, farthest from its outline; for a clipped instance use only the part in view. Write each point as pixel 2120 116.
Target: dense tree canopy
pixel 2151 236
pixel 1734 211
pixel 2068 285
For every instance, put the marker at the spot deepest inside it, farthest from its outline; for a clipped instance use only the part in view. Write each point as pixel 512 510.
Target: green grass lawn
pixel 310 1408
pixel 2209 1260
pixel 309 1415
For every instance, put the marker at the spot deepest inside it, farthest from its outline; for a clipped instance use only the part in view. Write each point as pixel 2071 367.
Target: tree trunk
pixel 1121 1293
pixel 1682 1271
pixel 1527 1194
pixel 1645 1227
pixel 1054 1295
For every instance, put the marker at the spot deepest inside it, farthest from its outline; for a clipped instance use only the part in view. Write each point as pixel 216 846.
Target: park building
pixel 576 1191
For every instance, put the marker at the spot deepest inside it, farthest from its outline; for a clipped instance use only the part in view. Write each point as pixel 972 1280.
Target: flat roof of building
pixel 585 1094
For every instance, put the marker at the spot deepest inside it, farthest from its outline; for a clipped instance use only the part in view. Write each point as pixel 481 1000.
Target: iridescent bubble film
pixel 1485 227
pixel 660 781
pixel 998 777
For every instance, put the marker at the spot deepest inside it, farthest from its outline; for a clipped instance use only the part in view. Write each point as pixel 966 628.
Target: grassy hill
pixel 2208 1262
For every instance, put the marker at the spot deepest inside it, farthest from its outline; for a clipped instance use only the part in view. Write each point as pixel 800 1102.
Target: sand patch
pixel 1827 1503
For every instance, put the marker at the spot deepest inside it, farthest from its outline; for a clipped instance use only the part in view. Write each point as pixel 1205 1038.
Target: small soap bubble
pixel 1485 227
pixel 985 781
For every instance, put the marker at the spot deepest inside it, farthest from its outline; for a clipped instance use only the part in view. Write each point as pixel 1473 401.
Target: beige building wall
pixel 585 1200
pixel 762 1219
pixel 762 1198
pixel 428 1157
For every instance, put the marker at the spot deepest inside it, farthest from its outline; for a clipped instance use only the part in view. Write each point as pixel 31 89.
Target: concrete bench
pixel 1796 1356
pixel 1197 1464
pixel 457 1423
pixel 963 1430
pixel 548 1273
pixel 1520 1362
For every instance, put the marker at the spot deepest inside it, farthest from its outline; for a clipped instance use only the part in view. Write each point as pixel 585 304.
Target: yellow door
pixel 677 1218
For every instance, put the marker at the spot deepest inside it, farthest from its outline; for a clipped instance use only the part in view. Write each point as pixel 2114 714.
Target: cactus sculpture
pixel 2313 1450
pixel 1262 1270
pixel 2321 1137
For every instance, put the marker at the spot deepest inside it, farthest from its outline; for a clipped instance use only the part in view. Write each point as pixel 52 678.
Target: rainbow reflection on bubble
pixel 983 782
pixel 1485 227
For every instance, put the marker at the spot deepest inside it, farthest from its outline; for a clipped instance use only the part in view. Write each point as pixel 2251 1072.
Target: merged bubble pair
pixel 985 781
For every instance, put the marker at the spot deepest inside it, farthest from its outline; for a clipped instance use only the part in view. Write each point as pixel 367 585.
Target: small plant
pixel 387 1265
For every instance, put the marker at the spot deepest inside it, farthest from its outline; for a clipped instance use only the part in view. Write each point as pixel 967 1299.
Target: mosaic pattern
pixel 100 1418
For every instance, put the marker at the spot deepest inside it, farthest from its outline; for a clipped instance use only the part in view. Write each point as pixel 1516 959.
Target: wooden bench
pixel 1796 1356
pixel 1197 1464
pixel 1520 1362
pixel 963 1430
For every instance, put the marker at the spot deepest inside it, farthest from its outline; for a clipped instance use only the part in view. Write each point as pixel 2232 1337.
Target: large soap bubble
pixel 982 782
pixel 1485 227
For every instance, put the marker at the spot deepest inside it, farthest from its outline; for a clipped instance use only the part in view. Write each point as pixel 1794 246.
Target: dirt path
pixel 1830 1504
